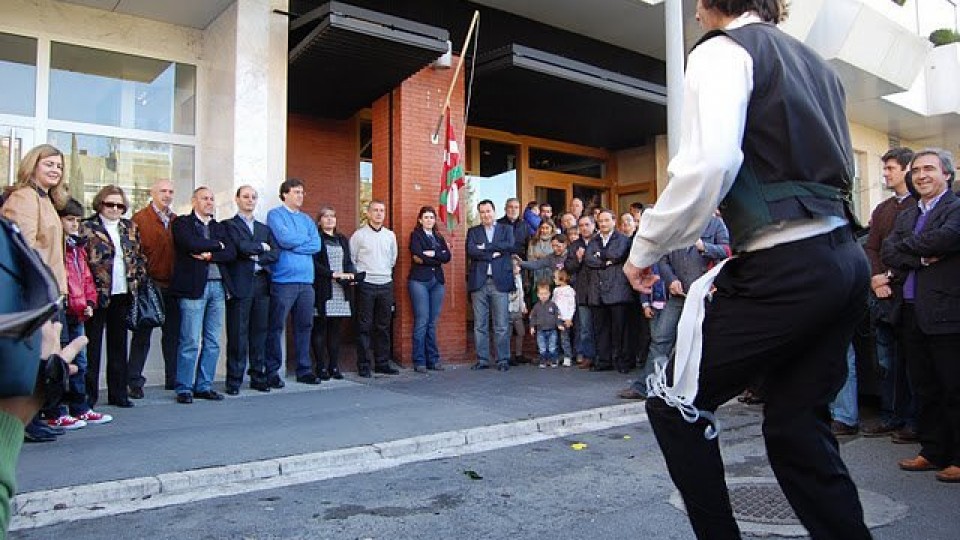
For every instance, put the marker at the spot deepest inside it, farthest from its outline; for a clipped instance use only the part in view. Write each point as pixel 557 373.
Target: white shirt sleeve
pixel 717 88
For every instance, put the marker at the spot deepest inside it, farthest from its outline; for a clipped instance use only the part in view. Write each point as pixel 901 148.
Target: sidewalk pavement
pixel 159 436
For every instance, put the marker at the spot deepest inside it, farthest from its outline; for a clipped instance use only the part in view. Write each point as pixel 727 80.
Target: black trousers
pixel 608 324
pixel 140 345
pixel 787 314
pixel 112 321
pixel 248 320
pixel 374 310
pixel 935 374
pixel 325 342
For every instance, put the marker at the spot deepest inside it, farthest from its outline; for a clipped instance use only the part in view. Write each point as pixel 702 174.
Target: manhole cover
pixel 761 503
pixel 761 508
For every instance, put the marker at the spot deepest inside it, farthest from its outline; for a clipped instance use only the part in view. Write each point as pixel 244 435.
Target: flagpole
pixel 435 138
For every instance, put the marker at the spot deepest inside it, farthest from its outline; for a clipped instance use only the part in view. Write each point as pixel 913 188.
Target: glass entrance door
pixel 14 142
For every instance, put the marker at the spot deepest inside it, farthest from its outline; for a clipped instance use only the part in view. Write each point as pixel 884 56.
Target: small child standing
pixel 566 300
pixel 544 324
pixel 75 412
pixel 517 309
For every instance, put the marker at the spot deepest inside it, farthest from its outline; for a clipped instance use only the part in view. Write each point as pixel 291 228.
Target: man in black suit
pixel 521 235
pixel 923 254
pixel 201 282
pixel 489 282
pixel 248 310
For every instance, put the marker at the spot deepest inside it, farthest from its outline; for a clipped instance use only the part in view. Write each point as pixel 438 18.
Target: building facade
pixel 560 100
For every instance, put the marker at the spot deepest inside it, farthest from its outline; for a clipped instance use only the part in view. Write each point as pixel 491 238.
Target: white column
pixel 673 23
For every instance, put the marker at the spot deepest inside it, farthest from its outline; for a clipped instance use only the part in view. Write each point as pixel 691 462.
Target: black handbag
pixel 146 307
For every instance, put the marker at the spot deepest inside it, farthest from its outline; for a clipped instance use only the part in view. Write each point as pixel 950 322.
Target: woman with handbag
pixel 113 252
pixel 334 279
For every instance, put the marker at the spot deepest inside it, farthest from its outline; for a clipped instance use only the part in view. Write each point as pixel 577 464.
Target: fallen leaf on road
pixel 626 437
pixel 578 446
pixel 473 475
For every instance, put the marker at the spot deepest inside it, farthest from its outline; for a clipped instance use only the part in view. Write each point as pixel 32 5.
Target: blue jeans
pixel 844 407
pixel 584 325
pixel 663 328
pixel 566 345
pixel 486 301
pixel 426 297
pixel 75 401
pixel 295 300
pixel 896 397
pixel 547 344
pixel 200 319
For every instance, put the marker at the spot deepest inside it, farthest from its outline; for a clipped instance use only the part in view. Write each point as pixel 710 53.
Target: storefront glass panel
pixel 497 179
pixel 18 75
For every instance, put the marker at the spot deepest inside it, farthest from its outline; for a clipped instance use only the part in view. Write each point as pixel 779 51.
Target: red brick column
pixel 417 165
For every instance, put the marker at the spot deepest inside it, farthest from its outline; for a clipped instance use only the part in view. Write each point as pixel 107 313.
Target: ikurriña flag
pixel 451 179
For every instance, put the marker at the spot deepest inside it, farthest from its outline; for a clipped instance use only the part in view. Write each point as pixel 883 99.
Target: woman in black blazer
pixel 426 285
pixel 333 284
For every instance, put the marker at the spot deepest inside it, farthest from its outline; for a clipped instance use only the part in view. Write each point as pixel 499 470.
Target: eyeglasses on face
pixel 119 206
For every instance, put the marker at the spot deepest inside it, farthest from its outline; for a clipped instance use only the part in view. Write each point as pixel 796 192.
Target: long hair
pixel 59 195
pixel 324 210
pixel 428 210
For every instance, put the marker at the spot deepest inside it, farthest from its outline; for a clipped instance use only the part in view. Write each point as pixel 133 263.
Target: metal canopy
pixel 343 58
pixel 524 90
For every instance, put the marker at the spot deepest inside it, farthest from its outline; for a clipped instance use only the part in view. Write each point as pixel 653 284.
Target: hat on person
pixel 72 208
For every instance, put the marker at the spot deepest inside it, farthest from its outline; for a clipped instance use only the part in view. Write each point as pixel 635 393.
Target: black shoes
pixel 277 383
pixel 436 367
pixel 233 391
pixel 503 367
pixel 364 372
pixel 125 404
pixel 260 387
pixel 335 374
pixel 135 393
pixel 185 399
pixel 309 378
pixel 387 369
pixel 210 395
pixel 478 366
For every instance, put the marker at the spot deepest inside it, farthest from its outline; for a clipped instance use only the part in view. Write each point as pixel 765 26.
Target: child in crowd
pixel 573 234
pixel 566 300
pixel 544 324
pixel 532 217
pixel 517 309
pixel 74 412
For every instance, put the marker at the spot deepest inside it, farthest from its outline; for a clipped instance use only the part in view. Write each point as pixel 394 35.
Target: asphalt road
pixel 614 487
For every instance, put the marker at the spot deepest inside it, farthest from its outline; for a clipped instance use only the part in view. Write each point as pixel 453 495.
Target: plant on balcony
pixel 944 36
pixel 900 2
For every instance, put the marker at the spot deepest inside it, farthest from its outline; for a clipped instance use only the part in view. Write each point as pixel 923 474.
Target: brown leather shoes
pixel 951 474
pixel 631 393
pixel 586 364
pixel 919 463
pixel 905 435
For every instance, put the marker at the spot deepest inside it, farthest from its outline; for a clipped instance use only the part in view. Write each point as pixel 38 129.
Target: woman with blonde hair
pixel 32 203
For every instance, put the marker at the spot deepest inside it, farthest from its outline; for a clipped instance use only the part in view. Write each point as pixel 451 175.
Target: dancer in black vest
pixel 765 138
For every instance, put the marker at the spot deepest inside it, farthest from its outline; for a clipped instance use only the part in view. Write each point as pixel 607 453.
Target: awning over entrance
pixel 523 90
pixel 342 58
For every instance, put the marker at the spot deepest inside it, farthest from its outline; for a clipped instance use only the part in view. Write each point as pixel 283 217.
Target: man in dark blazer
pixel 489 282
pixel 923 256
pixel 248 309
pixel 201 282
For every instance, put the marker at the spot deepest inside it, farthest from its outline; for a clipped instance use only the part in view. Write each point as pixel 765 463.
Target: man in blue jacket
pixel 201 282
pixel 489 282
pixel 291 292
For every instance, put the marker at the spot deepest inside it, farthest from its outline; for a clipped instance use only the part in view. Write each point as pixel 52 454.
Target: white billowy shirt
pixel 717 87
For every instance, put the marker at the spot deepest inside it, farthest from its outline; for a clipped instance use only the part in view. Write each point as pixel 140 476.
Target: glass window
pixel 497 179
pixel 115 89
pixel 561 162
pixel 92 162
pixel 14 143
pixel 366 171
pixel 18 71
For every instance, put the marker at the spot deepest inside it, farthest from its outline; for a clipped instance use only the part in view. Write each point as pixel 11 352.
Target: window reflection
pixel 92 162
pixel 562 162
pixel 115 89
pixel 18 71
pixel 497 179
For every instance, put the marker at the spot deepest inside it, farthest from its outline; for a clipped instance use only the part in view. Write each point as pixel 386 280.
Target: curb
pixel 49 507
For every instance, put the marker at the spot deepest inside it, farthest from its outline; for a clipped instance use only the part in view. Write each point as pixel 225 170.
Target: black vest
pixel 797 157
